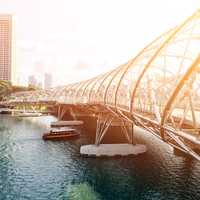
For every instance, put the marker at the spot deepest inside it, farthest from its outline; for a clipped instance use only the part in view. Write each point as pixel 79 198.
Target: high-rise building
pixel 39 85
pixel 5 47
pixel 32 81
pixel 47 81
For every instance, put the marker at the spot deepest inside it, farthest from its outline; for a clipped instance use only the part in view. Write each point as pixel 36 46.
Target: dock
pixel 66 123
pixel 27 114
pixel 112 150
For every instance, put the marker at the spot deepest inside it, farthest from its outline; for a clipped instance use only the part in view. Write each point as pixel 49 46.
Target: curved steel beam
pixel 177 90
pixel 170 37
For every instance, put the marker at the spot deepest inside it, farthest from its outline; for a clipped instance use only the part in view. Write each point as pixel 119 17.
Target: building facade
pixel 32 81
pixel 5 47
pixel 47 81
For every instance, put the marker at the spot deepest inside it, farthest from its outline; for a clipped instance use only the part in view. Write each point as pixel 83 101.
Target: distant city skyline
pixel 79 39
pixel 45 82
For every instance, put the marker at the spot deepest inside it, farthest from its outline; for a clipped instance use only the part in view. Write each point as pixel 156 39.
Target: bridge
pixel 158 90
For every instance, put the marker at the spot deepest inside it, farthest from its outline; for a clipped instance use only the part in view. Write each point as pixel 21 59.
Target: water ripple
pixel 33 169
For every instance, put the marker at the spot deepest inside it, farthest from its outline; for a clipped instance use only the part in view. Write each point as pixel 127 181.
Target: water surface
pixel 33 169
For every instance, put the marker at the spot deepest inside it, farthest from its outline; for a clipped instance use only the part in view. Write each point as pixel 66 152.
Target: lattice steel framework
pixel 159 88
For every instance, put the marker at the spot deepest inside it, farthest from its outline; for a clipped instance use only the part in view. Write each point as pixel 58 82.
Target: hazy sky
pixel 76 39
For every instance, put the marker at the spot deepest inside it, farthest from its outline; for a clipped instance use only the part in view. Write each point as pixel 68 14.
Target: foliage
pixel 6 88
pixel 82 191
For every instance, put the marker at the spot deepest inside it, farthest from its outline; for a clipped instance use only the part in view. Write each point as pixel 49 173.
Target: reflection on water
pixel 31 168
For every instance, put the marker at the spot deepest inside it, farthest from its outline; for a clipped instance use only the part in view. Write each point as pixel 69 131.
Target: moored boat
pixel 61 134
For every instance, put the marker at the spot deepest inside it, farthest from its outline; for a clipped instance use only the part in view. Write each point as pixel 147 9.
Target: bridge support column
pixel 105 121
pixel 128 130
pixel 61 112
pixel 59 108
pixel 102 127
pixel 72 113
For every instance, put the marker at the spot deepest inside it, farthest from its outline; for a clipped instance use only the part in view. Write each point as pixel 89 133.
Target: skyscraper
pixel 32 81
pixel 5 47
pixel 47 81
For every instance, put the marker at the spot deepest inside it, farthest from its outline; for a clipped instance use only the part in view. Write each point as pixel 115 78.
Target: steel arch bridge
pixel 158 90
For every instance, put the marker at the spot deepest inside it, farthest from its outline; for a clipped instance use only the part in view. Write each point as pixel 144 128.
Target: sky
pixel 78 39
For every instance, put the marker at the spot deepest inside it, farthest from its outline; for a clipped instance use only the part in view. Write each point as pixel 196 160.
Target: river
pixel 33 169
